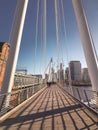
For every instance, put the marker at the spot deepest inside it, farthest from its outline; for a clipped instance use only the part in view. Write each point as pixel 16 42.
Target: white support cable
pixel 41 48
pixel 44 31
pixel 42 15
pixel 57 29
pixel 60 32
pixel 47 67
pixel 13 22
pixel 63 15
pixel 36 36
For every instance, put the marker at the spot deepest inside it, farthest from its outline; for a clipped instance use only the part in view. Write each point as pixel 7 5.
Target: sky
pixel 70 45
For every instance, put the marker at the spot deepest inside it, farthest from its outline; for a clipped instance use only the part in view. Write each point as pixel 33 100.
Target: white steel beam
pixel 17 30
pixel 87 42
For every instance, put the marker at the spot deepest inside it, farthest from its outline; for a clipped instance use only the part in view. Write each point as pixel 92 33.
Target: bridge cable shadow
pixel 65 105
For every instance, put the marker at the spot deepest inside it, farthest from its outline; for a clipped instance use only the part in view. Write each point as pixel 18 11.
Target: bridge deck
pixel 51 110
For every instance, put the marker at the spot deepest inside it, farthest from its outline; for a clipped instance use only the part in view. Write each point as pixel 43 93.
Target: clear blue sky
pixel 72 42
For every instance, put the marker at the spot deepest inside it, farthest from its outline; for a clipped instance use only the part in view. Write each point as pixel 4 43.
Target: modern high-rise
pixel 67 73
pixel 85 74
pixel 75 70
pixel 60 72
pixel 4 51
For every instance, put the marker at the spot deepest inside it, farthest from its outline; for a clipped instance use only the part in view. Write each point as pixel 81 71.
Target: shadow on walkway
pixel 51 110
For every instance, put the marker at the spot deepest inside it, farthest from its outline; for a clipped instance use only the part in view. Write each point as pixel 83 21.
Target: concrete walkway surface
pixel 51 109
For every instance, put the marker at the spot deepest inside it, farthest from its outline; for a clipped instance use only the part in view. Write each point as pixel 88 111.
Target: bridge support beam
pixel 87 43
pixel 17 30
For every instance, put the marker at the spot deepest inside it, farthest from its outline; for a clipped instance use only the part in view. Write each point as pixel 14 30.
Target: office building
pixel 75 70
pixel 67 73
pixel 85 74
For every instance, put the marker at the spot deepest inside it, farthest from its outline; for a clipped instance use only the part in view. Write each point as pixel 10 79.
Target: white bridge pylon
pixel 51 75
pixel 87 42
pixel 17 31
pixel 16 40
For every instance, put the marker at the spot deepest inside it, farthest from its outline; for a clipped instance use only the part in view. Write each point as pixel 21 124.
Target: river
pixel 83 92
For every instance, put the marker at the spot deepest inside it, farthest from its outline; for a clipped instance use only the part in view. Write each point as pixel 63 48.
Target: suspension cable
pixel 60 32
pixel 44 32
pixel 63 15
pixel 41 38
pixel 36 35
pixel 57 28
pixel 13 21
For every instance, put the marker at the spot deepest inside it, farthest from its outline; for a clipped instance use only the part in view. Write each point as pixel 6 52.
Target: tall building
pixel 85 74
pixel 61 72
pixel 75 70
pixel 67 73
pixel 4 51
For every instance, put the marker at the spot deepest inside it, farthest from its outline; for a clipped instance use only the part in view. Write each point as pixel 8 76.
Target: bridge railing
pixel 17 98
pixel 23 80
pixel 87 97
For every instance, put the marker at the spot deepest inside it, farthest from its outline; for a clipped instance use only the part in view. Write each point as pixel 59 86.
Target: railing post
pixel 19 98
pixel 86 97
pixel 72 91
pixel 78 93
pixel 27 93
pixel 33 89
pixel 2 102
pixel 96 98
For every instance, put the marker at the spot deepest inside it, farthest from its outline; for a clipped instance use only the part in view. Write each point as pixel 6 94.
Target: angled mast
pixel 17 31
pixel 87 42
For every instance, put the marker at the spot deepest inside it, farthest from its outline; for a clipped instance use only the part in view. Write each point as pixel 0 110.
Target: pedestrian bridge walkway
pixel 51 109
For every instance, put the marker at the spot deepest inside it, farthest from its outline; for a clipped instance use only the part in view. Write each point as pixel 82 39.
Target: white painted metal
pixel 87 43
pixel 51 72
pixel 15 45
pixel 52 76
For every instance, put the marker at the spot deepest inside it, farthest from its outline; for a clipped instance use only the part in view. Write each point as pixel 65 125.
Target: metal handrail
pixel 87 90
pixel 87 97
pixel 17 97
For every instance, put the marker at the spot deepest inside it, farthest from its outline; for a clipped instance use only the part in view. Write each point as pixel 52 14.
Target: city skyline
pixel 72 40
